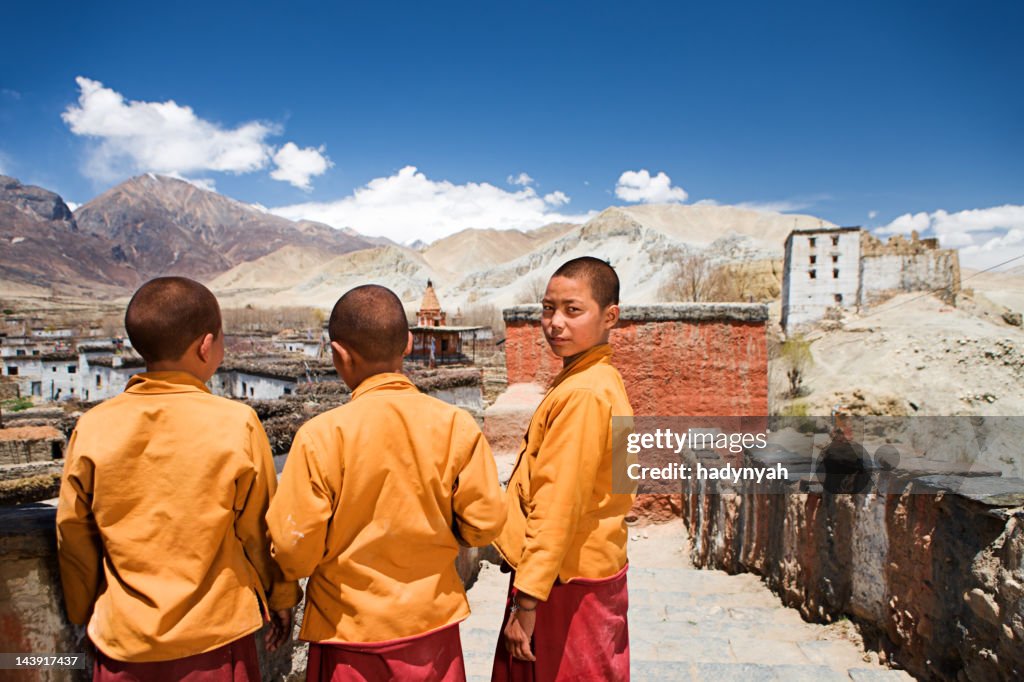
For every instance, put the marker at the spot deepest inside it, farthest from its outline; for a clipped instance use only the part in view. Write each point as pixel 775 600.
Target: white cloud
pixel 985 236
pixel 168 138
pixel 872 215
pixel 523 180
pixel 408 206
pixel 297 166
pixel 641 186
pixel 73 205
pixel 905 224
pixel 556 198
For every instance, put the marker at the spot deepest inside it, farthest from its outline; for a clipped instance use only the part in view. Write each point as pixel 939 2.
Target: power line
pixel 935 291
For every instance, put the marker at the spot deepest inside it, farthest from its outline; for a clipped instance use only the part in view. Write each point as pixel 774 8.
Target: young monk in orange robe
pixel 160 525
pixel 565 537
pixel 375 497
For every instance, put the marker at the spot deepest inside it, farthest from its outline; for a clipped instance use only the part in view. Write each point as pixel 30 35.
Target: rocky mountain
pixel 474 249
pixel 43 249
pixel 163 225
pixel 505 267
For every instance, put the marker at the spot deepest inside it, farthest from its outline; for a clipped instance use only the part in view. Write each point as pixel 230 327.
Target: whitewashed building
pixel 252 384
pixel 846 267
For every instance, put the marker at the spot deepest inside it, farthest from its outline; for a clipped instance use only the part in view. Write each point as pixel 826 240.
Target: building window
pixel 813 274
pixel 53 369
pixel 72 369
pixel 99 381
pixel 20 351
pixel 835 258
pixel 35 352
pixel 287 391
pixel 835 240
pixel 835 273
pixel 251 391
pixel 839 298
pixel 814 259
pixel 812 241
pixel 245 388
pixel 12 371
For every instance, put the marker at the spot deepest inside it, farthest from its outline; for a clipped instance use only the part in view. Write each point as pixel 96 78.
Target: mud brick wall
pixel 931 568
pixel 689 359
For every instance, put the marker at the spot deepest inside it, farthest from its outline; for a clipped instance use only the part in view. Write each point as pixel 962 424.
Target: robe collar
pixel 149 383
pixel 383 381
pixel 599 353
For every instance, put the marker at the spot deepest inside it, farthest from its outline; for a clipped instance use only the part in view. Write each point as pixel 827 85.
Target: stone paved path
pixel 697 625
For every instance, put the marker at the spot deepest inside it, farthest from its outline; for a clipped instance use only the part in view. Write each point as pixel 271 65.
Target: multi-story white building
pixel 846 267
pixel 822 269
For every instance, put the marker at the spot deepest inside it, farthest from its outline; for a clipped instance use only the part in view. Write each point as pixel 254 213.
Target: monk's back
pixel 385 466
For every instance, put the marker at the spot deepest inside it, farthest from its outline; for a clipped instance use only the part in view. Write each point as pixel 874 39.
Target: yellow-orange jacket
pixel 371 499
pixel 160 524
pixel 564 522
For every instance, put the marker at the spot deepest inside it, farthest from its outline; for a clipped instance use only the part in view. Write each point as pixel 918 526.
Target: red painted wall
pixel 706 368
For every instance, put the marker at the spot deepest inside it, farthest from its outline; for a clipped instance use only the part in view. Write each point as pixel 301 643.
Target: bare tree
pixel 532 291
pixel 484 315
pixel 692 279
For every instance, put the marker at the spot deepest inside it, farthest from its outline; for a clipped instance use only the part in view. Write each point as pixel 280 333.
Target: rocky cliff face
pixel 165 226
pixel 41 244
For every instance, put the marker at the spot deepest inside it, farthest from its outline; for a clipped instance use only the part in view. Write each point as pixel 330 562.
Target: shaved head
pixel 599 276
pixel 167 314
pixel 371 321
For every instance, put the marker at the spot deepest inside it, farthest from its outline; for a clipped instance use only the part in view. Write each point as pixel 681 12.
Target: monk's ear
pixel 205 347
pixel 611 316
pixel 408 346
pixel 340 354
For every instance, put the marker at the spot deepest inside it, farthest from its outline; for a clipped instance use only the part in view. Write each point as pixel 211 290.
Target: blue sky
pixel 891 115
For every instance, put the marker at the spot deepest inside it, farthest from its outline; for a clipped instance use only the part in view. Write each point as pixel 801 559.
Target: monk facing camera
pixel 375 499
pixel 565 536
pixel 160 525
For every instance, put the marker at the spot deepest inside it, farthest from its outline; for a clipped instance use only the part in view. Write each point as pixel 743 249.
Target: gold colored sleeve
pixel 79 548
pixel 478 503
pixel 561 483
pixel 299 515
pixel 252 501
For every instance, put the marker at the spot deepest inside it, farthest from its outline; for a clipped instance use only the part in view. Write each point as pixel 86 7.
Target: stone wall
pixel 930 567
pixel 937 270
pixel 32 615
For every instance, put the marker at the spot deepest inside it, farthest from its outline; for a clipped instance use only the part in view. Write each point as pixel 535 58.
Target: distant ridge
pixel 164 225
pixel 43 250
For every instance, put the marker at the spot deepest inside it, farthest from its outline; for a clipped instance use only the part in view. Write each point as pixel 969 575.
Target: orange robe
pixel 566 534
pixel 564 522
pixel 160 524
pixel 373 500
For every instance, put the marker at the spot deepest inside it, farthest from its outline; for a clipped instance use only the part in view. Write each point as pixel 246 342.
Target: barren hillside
pixel 915 355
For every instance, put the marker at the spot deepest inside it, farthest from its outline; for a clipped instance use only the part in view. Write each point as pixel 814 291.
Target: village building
pixel 436 342
pixel 310 345
pixel 845 268
pixel 253 384
pixel 106 376
pixel 28 445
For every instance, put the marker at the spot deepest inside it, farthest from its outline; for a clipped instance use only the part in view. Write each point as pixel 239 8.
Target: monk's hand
pixel 280 629
pixel 519 630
